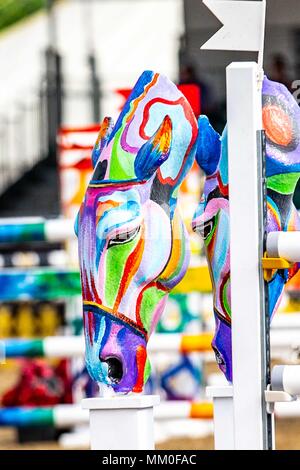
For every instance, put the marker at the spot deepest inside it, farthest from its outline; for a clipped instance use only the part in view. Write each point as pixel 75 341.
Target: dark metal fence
pixel 23 141
pixel 28 131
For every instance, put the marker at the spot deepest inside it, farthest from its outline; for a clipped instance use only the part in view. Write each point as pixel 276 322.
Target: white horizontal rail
pixel 63 416
pixel 286 378
pixel 287 410
pixel 284 245
pixel 282 340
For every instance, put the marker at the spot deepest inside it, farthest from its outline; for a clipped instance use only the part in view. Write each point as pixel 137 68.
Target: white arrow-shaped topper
pixel 243 25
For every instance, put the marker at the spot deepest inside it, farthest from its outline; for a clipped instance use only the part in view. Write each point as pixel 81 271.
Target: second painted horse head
pixel 133 247
pixel 281 121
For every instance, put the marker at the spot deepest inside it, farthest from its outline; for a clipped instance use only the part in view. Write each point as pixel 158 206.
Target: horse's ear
pixel 105 130
pixel 155 151
pixel 208 146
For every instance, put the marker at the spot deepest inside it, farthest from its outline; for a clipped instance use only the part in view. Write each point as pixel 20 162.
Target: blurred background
pixel 64 65
pixel 64 62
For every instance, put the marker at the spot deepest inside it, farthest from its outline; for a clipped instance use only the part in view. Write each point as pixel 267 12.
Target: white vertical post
pixel 122 422
pixel 223 416
pixel 244 117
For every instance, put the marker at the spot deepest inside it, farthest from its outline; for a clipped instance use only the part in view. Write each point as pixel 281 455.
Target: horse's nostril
pixel 115 368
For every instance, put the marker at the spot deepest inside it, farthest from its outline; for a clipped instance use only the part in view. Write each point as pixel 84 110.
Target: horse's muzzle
pixel 115 351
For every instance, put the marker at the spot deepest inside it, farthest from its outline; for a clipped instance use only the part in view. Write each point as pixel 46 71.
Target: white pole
pixel 244 117
pixel 262 36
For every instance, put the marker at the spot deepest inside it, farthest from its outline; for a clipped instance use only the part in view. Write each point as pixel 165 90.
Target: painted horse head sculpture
pixel 133 247
pixel 281 121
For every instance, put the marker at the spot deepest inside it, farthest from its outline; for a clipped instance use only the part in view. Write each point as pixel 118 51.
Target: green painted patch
pixel 225 299
pixel 284 184
pixel 122 163
pixel 216 221
pixel 147 370
pixel 116 258
pixel 150 300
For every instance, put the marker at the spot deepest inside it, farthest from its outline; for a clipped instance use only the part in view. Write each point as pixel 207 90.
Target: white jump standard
pixel 242 412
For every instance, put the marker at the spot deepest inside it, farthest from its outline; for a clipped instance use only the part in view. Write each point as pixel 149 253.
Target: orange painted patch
pixel 103 130
pixel 141 356
pixel 278 125
pixel 163 137
pixel 175 255
pixel 104 207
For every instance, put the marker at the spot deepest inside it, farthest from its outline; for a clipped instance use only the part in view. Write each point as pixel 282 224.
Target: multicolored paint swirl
pixel 133 246
pixel 281 121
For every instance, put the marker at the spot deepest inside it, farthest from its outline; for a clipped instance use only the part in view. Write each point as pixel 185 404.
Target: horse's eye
pixel 206 228
pixel 124 237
